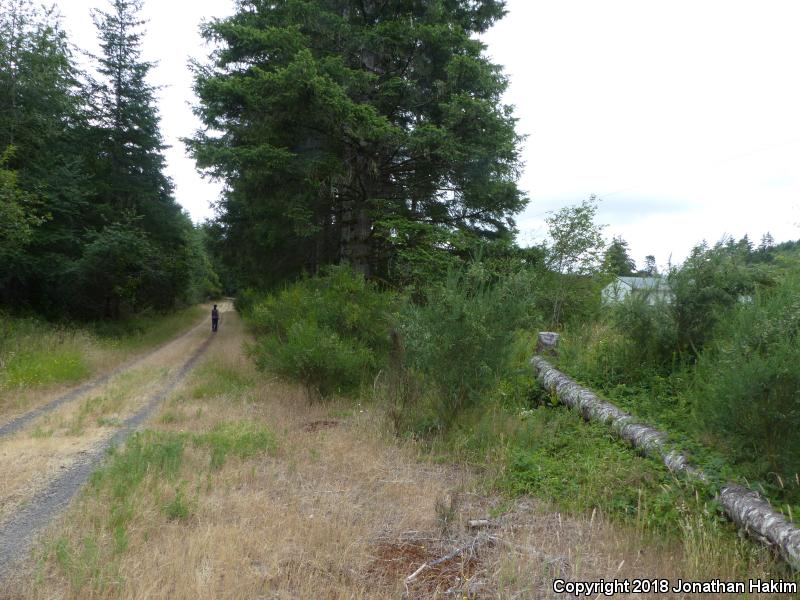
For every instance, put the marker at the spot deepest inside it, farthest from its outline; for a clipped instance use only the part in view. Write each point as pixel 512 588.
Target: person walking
pixel 214 318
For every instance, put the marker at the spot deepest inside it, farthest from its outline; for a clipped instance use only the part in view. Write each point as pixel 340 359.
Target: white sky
pixel 683 116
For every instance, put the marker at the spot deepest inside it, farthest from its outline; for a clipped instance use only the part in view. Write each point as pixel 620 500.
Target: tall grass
pixel 36 353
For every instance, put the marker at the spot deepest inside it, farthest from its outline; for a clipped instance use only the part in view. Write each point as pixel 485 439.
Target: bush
pixel 317 357
pixel 459 339
pixel 710 282
pixel 634 342
pixel 747 384
pixel 329 332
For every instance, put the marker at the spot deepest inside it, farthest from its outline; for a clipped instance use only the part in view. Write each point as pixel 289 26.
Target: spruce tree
pixel 355 131
pixel 616 260
pixel 131 187
pixel 41 128
pixel 129 167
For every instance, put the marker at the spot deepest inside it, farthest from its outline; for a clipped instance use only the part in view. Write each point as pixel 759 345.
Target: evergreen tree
pixel 41 117
pixel 131 187
pixel 82 176
pixel 129 165
pixel 616 260
pixel 650 268
pixel 355 130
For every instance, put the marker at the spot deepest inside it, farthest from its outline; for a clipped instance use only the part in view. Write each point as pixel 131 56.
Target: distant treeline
pixel 89 226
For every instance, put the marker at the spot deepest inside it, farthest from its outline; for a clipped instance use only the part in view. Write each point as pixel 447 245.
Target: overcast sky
pixel 682 116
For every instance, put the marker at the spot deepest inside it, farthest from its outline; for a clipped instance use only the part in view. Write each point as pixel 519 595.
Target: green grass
pixel 35 353
pixel 144 331
pixel 43 366
pixel 579 466
pixel 243 439
pixel 214 380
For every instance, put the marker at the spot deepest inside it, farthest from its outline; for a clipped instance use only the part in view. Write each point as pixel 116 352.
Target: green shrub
pixel 179 508
pixel 710 282
pixel 460 338
pixel 316 357
pixel 650 333
pixel 747 383
pixel 329 332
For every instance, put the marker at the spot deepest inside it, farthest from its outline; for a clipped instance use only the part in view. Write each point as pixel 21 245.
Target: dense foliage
pixel 717 364
pixel 330 332
pixel 366 132
pixel 88 224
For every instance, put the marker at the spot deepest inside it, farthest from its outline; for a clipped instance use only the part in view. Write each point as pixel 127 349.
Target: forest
pixel 89 227
pixel 367 232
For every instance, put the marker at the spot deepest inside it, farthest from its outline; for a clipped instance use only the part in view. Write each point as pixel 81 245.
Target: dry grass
pixel 32 457
pixel 339 510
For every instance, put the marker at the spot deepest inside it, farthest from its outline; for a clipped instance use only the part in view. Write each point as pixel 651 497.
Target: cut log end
pixel 547 343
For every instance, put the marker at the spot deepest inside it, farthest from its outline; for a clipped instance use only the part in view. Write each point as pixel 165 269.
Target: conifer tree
pixel 353 131
pixel 131 187
pixel 41 128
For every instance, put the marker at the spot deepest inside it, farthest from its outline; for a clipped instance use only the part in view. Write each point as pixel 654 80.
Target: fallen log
pixel 646 439
pixel 744 507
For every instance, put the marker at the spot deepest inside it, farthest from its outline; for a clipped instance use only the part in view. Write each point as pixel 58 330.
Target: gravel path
pixel 19 532
pixel 18 423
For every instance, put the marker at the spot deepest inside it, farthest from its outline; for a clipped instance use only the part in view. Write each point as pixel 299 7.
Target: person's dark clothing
pixel 214 319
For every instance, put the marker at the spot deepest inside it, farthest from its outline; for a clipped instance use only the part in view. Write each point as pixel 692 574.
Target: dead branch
pixel 472 546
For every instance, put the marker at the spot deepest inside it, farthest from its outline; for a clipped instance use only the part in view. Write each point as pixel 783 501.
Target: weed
pixel 215 380
pixel 242 439
pixel 144 452
pixel 178 509
pixel 40 433
pixel 170 417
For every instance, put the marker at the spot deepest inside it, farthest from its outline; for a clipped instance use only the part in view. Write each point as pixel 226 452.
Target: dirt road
pixel 242 488
pixel 48 453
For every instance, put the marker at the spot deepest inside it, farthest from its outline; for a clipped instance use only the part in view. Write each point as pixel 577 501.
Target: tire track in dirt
pixel 23 420
pixel 18 533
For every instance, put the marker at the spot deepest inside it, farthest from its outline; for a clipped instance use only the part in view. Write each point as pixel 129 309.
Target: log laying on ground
pixel 744 507
pixel 748 509
pixel 650 441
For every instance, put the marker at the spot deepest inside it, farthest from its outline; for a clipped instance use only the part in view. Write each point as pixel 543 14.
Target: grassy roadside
pixel 457 381
pixel 35 354
pixel 526 444
pixel 241 487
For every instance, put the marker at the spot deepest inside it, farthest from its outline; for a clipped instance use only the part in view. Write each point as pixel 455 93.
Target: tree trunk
pixel 744 507
pixel 356 234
